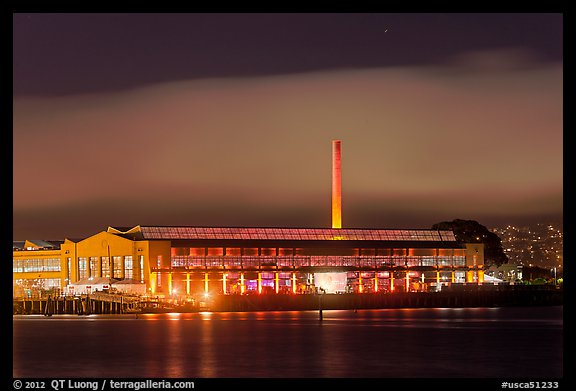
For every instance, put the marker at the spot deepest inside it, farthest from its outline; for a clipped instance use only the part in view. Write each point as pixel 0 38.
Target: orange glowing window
pixel 251 251
pixel 179 251
pixel 420 252
pixel 445 252
pixel 399 251
pixel 268 252
pixel 285 251
pixel 197 252
pixel 233 251
pixel 215 251
pixel 367 252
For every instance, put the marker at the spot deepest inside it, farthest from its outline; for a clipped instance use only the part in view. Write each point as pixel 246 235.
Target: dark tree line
pixel 470 231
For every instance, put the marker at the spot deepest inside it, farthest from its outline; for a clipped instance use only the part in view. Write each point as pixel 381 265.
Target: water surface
pixel 510 342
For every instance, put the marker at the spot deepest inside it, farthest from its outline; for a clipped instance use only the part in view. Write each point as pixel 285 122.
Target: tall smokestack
pixel 336 184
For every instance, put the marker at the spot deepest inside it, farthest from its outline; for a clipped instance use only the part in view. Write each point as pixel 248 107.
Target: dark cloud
pixel 417 144
pixel 71 53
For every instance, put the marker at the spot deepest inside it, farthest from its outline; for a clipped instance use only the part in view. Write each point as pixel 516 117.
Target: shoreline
pixel 454 297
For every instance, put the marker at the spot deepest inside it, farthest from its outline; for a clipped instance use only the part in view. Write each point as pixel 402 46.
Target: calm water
pixel 422 343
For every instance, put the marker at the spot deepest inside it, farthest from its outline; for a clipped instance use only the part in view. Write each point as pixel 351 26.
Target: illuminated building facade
pixel 197 260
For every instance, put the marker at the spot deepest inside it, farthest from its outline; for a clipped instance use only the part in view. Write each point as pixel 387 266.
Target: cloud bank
pixel 479 136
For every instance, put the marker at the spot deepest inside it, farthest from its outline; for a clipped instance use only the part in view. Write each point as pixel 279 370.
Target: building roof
pixel 36 244
pixel 307 234
pixel 18 245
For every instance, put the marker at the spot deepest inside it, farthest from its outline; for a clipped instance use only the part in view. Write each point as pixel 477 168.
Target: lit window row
pixel 36 265
pixel 315 261
pixel 38 283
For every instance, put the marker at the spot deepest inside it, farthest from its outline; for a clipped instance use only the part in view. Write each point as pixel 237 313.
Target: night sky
pixel 227 120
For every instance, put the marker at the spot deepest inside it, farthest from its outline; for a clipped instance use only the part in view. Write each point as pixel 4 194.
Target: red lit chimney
pixel 336 184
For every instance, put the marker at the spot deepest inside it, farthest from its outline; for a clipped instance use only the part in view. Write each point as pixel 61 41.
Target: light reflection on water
pixel 441 342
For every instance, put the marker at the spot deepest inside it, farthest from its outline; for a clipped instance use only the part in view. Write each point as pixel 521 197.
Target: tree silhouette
pixel 470 231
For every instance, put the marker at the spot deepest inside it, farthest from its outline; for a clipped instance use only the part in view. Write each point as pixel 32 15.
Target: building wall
pixel 159 257
pixel 36 269
pixel 475 262
pixel 76 258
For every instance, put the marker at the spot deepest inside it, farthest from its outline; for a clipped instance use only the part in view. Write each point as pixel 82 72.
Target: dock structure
pixel 451 297
pixel 98 303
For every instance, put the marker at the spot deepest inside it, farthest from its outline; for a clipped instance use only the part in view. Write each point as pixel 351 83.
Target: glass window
pixel 17 266
pixel 94 272
pixel 68 268
pixel 128 267
pixel 413 261
pixel 459 261
pixel 285 261
pixel 117 260
pixel 233 251
pixel 105 267
pixel 82 271
pixel 141 260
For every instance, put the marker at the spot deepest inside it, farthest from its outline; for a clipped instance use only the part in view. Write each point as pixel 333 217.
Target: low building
pixel 89 285
pixel 129 286
pixel 508 273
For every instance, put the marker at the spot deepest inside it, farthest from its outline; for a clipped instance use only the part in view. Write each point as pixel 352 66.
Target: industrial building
pixel 188 260
pixel 194 260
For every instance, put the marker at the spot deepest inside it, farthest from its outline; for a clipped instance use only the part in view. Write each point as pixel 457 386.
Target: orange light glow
pixel 259 282
pixel 233 251
pixel 336 184
pixel 276 282
pixel 268 252
pixel 224 283
pixel 242 285
pixel 293 282
pixel 206 283
pixel 360 285
pixel 197 252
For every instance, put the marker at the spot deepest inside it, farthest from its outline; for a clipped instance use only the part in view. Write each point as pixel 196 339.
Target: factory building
pixel 189 260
